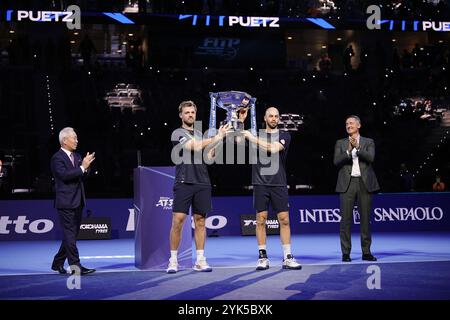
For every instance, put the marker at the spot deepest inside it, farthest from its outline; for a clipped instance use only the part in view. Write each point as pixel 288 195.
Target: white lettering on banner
pixel 165 202
pixel 222 222
pixel 48 225
pixel 436 25
pixel 233 20
pixel 99 227
pixel 270 223
pixel 212 222
pixel 45 16
pixel 4 222
pixel 380 214
pixel 404 214
pixel 248 222
pixel 21 14
pixel 319 215
pixel 271 22
pixel 72 16
pixel 21 222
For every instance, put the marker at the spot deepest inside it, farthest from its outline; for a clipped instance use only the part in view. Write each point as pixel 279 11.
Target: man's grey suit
pixel 351 188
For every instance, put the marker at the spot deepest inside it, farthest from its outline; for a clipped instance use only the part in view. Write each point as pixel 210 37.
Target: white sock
pixel 286 250
pixel 262 247
pixel 173 255
pixel 200 254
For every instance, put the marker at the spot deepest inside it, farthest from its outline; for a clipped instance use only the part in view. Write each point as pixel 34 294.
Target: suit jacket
pixel 366 156
pixel 69 187
pixel 4 176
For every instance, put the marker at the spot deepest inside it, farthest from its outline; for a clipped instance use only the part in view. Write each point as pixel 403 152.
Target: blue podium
pixel 153 198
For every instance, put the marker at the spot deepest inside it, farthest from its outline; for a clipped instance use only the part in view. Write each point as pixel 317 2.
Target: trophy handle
pixel 212 116
pixel 253 117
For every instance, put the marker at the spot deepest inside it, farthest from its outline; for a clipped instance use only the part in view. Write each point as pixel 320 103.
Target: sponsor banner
pixel 95 229
pixel 390 212
pixel 216 23
pixel 248 225
pixel 37 219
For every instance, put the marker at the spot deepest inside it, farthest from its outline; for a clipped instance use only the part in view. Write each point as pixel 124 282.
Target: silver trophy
pixel 232 102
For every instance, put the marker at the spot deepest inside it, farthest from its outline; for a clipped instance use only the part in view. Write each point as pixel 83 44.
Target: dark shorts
pixel 277 196
pixel 197 195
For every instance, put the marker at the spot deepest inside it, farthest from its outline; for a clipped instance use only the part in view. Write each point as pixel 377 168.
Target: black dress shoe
pixel 60 269
pixel 346 258
pixel 84 271
pixel 369 257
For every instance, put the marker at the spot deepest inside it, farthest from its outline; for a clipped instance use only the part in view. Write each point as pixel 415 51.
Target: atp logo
pixel 226 48
pixel 165 203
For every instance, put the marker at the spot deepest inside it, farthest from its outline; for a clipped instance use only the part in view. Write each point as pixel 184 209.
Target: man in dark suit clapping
pixel 69 169
pixel 354 156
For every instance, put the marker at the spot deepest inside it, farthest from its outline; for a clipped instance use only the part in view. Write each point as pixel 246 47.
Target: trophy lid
pixel 233 99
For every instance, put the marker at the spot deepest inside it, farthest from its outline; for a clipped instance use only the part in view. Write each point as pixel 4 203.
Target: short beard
pixel 188 124
pixel 270 126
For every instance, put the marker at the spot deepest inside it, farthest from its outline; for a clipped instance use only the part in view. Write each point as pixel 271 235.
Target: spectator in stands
pixel 406 59
pixel 3 178
pixel 325 64
pixel 438 185
pixel 406 179
pixel 396 60
pixel 348 54
pixel 86 49
pixel 416 56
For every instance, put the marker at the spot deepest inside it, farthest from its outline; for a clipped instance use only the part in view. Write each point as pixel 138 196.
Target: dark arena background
pixel 116 72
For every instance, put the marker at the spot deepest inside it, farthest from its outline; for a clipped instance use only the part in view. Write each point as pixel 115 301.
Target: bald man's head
pixel 271 110
pixel 272 117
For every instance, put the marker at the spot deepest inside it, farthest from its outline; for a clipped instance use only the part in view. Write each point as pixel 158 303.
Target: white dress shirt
pixel 68 154
pixel 356 172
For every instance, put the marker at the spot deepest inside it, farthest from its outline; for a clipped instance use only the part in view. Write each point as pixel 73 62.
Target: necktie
pixel 72 159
